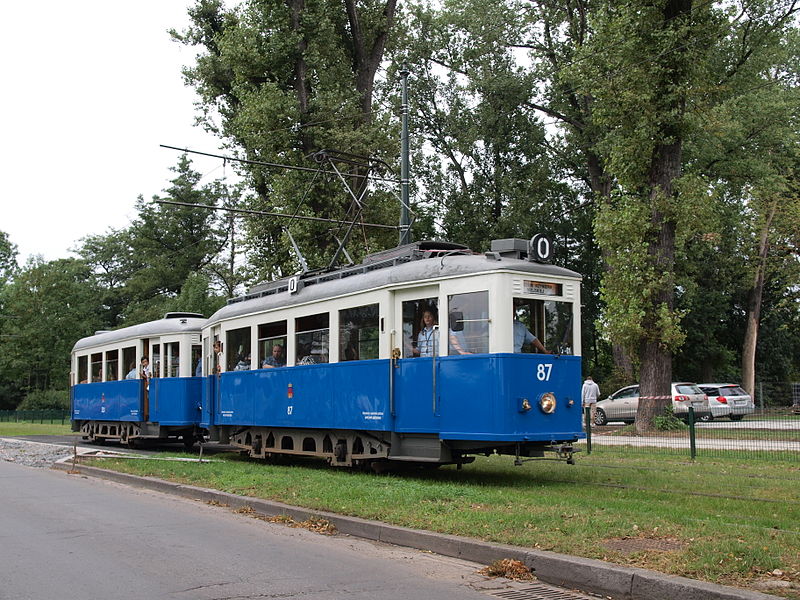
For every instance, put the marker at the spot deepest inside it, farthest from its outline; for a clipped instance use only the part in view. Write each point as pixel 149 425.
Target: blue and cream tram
pixel 421 354
pixel 114 399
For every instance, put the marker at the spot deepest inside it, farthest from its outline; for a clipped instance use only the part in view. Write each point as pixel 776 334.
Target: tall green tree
pixel 280 81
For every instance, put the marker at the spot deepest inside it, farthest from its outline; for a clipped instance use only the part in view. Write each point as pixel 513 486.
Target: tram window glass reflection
pixel 172 359
pixel 155 361
pixel 550 321
pixel 358 333
pixel 312 339
pixel 417 340
pixel 112 364
pixel 97 367
pixel 237 350
pixel 197 360
pixel 468 323
pixel 128 361
pixel 269 336
pixel 83 369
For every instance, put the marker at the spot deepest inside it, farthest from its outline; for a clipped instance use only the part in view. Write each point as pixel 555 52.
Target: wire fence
pixel 770 428
pixel 35 416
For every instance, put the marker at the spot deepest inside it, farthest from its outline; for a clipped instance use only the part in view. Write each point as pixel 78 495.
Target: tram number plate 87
pixel 543 371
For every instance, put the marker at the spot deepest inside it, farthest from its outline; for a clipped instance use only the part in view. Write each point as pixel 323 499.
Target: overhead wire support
pixel 273 214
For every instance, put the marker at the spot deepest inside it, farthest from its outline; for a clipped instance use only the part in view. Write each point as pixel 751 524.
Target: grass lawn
pixel 722 520
pixel 11 429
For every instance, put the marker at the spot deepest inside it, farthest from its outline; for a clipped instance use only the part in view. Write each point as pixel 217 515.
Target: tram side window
pixel 155 361
pixel 129 362
pixel 312 339
pixel 549 321
pixel 112 364
pixel 420 336
pixel 468 323
pixel 97 367
pixel 197 360
pixel 272 345
pixel 358 333
pixel 83 369
pixel 237 353
pixel 172 359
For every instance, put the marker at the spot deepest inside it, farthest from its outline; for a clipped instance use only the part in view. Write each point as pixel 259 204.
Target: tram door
pixel 417 336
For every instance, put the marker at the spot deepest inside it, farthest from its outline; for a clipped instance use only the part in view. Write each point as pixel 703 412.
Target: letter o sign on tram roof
pixel 540 248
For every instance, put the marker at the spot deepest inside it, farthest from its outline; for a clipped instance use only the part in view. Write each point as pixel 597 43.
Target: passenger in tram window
pixel 218 357
pixel 144 370
pixel 132 373
pixel 276 359
pixel 304 351
pixel 428 338
pixel 523 336
pixel 458 345
pixel 351 351
pixel 243 364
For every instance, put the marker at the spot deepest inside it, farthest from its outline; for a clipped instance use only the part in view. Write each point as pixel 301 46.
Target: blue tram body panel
pixel 331 396
pixel 108 401
pixel 475 397
pixel 481 397
pixel 176 400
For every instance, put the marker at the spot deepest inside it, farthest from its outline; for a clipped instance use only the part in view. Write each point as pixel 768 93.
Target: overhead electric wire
pixel 274 214
pixel 275 165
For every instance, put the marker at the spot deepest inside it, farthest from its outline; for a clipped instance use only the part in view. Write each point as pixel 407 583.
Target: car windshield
pixel 732 391
pixel 687 388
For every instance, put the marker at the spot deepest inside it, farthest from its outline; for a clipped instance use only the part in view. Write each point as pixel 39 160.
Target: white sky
pixel 91 88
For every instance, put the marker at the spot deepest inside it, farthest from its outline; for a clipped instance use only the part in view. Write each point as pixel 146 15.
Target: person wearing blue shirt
pixel 428 337
pixel 522 336
pixel 277 359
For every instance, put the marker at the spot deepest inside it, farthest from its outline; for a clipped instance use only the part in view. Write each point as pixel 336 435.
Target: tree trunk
pixel 754 307
pixel 655 374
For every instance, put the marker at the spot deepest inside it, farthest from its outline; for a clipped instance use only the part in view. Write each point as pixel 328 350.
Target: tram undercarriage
pixel 348 448
pixel 130 433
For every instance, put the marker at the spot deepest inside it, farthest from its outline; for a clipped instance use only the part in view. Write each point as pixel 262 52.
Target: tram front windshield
pixel 549 320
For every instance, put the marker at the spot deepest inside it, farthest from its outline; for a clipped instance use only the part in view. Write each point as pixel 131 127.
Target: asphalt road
pixel 71 537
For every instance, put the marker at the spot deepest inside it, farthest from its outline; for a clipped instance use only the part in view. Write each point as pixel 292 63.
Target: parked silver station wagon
pixel 623 404
pixel 728 400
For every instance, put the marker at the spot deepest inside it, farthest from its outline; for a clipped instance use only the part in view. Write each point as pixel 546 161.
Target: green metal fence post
pixel 586 416
pixel 692 441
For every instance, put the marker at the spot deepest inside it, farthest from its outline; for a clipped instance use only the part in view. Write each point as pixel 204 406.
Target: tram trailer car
pixel 363 385
pixel 110 399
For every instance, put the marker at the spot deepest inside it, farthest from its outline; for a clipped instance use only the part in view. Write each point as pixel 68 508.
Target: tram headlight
pixel 547 403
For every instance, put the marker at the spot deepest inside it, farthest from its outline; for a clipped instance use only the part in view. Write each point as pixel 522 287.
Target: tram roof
pixel 390 268
pixel 172 323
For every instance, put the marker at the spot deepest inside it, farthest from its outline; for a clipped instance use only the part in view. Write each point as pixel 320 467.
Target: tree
pixel 281 81
pixel 54 304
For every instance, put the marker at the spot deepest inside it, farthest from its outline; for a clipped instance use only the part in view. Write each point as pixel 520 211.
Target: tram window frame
pixel 172 359
pixel 468 323
pixel 270 335
pixel 535 314
pixel 412 312
pixel 238 349
pixel 309 331
pixel 111 359
pixel 364 322
pixel 96 363
pixel 83 369
pixel 128 361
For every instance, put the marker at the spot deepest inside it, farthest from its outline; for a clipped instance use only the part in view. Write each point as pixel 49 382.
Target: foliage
pixel 53 305
pixel 45 400
pixel 667 421
pixel 280 81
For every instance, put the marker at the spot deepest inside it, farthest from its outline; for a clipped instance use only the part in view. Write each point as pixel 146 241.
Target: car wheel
pixel 707 418
pixel 736 417
pixel 600 417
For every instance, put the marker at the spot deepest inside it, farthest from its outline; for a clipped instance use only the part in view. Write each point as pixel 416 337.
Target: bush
pixel 45 400
pixel 669 422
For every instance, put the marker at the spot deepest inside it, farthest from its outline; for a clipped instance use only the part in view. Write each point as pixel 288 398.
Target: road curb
pixel 583 574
